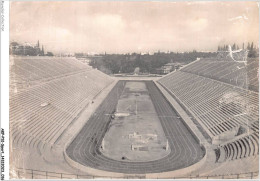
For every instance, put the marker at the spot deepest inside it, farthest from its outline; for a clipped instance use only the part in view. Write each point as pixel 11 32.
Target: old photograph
pixel 133 90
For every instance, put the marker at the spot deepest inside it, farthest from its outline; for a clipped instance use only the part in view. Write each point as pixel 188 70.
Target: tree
pixel 14 43
pixel 234 46
pixel 252 46
pixel 252 51
pixel 42 50
pixel 248 46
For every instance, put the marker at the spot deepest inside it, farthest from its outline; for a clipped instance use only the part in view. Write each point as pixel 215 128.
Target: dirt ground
pixel 135 134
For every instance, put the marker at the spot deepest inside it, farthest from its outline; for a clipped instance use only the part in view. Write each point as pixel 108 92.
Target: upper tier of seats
pixel 231 72
pixel 27 71
pixel 40 113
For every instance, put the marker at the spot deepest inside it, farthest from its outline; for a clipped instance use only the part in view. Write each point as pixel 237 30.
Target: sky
pixel 124 27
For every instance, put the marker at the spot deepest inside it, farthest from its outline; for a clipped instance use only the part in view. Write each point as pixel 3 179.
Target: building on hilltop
pixel 26 49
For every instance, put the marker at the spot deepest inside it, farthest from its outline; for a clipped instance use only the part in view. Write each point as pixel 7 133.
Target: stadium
pixel 68 121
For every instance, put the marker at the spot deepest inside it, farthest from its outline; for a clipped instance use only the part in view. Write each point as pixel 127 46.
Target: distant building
pixel 137 70
pixel 169 67
pixel 67 54
pixel 163 70
pixel 84 60
pixel 26 49
pixel 49 54
pixel 174 66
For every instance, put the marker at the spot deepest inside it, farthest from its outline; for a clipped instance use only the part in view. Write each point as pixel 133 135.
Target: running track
pixel 185 151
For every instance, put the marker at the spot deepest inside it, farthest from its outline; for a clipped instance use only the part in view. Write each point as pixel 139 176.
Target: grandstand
pixel 60 110
pixel 40 113
pixel 232 124
pixel 29 71
pixel 228 71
